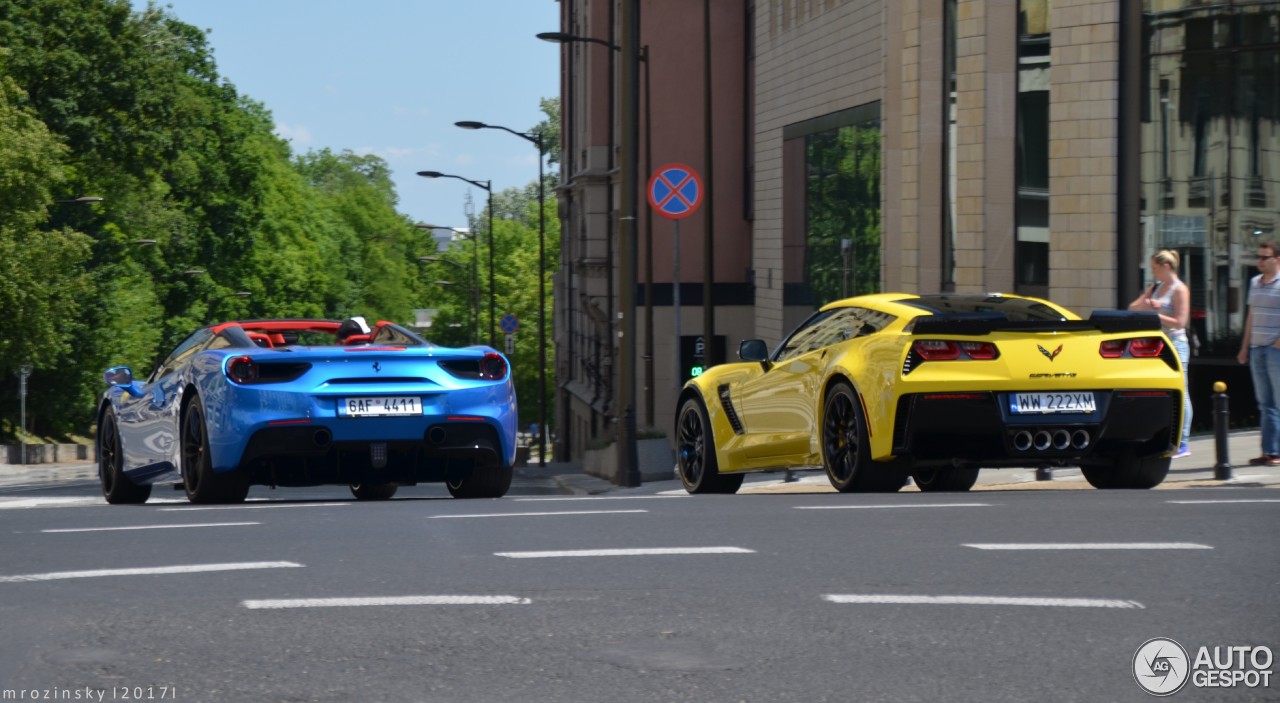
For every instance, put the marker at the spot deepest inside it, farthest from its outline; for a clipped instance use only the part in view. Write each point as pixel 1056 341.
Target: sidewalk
pixel 1191 471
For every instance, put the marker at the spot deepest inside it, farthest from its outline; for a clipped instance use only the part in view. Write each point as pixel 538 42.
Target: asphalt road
pixel 306 595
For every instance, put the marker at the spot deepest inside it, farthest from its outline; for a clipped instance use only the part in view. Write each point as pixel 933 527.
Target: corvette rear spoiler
pixel 981 323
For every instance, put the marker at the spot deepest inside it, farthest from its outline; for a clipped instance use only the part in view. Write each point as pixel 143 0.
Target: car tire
pixel 846 447
pixel 373 491
pixel 1128 471
pixel 201 482
pixel 483 481
pixel 696 463
pixel 945 480
pixel 117 488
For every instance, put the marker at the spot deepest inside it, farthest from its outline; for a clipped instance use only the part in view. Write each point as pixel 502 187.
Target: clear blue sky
pixel 390 77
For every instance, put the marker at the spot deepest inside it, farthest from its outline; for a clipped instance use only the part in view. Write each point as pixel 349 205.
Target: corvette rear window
pixel 1014 309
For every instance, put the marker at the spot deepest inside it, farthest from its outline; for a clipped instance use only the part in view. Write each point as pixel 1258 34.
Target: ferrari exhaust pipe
pixel 1042 440
pixel 322 438
pixel 1080 439
pixel 1022 441
pixel 436 435
pixel 1061 439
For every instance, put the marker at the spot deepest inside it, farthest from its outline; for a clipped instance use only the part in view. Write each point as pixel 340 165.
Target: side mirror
pixel 118 376
pixel 753 350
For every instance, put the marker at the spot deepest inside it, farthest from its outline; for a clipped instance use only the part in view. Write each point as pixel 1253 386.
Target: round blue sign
pixel 675 191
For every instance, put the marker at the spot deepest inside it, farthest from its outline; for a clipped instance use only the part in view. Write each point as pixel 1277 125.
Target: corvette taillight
pixel 493 367
pixel 242 369
pixel 1140 347
pixel 946 350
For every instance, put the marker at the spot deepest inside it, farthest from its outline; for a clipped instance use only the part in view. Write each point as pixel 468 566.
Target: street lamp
pixel 488 187
pixel 82 200
pixel 474 307
pixel 536 139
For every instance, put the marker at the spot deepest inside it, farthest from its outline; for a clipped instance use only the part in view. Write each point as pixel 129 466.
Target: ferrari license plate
pixel 398 406
pixel 1046 403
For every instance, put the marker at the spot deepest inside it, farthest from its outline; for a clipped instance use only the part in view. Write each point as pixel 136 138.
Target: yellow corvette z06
pixel 877 388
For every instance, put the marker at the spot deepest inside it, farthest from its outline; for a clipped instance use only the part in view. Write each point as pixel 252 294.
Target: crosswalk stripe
pixel 1210 502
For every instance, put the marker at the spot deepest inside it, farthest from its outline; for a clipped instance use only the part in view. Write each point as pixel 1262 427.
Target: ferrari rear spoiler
pixel 981 323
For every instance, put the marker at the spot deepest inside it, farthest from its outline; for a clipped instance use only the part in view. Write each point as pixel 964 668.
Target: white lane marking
pixel 625 552
pixel 563 512
pixel 904 505
pixel 1209 502
pixel 147 571
pixel 48 502
pixel 151 527
pixel 983 600
pixel 259 505
pixel 545 499
pixel 391 600
pixel 1091 545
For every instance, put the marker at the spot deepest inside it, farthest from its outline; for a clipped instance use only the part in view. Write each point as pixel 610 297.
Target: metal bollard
pixel 1221 419
pixel 1044 473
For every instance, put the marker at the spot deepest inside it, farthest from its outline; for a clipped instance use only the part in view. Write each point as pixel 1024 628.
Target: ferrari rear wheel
pixel 202 483
pixel 116 487
pixel 373 491
pixel 939 480
pixel 482 481
pixel 846 447
pixel 696 453
pixel 1128 471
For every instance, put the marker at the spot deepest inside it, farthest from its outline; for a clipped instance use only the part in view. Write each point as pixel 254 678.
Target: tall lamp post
pixel 488 188
pixel 536 139
pixel 24 372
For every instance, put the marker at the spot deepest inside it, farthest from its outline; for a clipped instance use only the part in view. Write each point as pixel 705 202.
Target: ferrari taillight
pixel 946 350
pixel 1140 347
pixel 493 367
pixel 242 369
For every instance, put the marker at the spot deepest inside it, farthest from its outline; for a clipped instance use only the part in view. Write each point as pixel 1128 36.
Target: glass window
pixel 842 211
pixel 1031 251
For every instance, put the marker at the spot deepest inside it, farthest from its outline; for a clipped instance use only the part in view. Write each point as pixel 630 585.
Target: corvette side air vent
pixel 727 403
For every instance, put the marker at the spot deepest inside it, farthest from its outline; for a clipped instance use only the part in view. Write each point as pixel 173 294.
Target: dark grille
pixel 727 403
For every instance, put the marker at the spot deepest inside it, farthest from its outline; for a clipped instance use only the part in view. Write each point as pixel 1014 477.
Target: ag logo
pixel 1161 667
pixel 1051 355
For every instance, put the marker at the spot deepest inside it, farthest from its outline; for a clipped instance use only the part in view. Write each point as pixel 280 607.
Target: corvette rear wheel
pixel 940 480
pixel 482 481
pixel 1128 471
pixel 846 448
pixel 202 483
pixel 373 491
pixel 696 454
pixel 116 487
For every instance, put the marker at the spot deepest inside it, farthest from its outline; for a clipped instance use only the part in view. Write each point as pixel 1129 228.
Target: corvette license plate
pixel 1047 403
pixel 399 406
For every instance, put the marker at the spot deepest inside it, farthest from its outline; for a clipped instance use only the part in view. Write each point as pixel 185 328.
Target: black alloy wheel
pixel 846 450
pixel 117 488
pixel 202 483
pixel 696 454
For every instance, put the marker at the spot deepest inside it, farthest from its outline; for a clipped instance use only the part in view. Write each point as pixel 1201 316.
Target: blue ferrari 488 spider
pixel 309 402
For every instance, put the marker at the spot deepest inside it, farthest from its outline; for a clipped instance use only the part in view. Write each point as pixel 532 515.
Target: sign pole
pixel 23 373
pixel 675 300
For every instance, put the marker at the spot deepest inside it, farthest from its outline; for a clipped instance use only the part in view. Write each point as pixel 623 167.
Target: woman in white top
pixel 1170 298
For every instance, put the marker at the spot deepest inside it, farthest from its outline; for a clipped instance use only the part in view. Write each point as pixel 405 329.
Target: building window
pixel 1210 159
pixel 1031 253
pixel 949 145
pixel 842 211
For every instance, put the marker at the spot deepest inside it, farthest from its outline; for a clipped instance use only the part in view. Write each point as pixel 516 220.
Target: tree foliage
pixel 205 215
